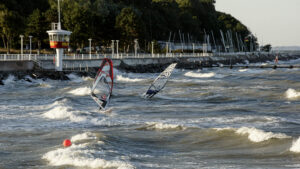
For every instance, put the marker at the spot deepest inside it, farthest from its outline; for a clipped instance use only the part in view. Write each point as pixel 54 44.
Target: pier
pixel 139 62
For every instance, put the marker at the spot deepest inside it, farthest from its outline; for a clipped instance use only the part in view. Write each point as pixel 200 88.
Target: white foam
pixel 224 129
pixel 251 71
pixel 296 146
pixel 87 78
pixel 45 85
pixel 254 120
pixel 58 112
pixel 120 78
pixel 82 91
pixel 81 156
pixel 41 83
pixel 64 112
pixel 84 136
pixel 243 70
pixel 292 94
pixel 74 78
pixel 200 75
pixel 256 135
pixel 162 126
pixel 10 79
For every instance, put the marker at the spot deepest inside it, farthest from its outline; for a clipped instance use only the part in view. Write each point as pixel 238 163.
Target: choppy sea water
pixel 210 118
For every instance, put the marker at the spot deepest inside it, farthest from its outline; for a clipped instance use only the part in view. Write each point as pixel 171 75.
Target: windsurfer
pixel 276 60
pixel 104 102
pixel 151 92
pixel 102 99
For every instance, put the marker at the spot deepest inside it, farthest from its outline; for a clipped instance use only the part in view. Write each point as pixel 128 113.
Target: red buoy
pixel 67 143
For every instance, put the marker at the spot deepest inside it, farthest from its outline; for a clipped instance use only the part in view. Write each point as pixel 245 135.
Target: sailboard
pixel 103 84
pixel 160 82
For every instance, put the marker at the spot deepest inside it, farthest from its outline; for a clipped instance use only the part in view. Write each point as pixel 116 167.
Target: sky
pixel 275 22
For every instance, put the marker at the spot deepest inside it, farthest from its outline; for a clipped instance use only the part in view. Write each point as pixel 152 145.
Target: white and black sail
pixel 159 83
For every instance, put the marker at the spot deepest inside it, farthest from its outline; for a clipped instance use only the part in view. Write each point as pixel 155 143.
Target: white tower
pixel 59 40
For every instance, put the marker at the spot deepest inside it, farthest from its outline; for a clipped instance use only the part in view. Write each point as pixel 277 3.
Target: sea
pixel 206 118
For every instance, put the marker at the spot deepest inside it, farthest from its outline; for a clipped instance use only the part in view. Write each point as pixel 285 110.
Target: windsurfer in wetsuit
pixel 151 93
pixel 103 100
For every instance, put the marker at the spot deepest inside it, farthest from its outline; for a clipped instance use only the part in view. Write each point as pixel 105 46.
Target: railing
pixel 36 57
pixel 16 57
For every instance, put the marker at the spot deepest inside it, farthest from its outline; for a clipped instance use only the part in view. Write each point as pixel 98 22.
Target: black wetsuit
pixel 104 102
pixel 151 93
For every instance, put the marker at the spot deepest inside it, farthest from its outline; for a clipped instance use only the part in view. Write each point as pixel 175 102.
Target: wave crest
pixel 200 75
pixel 85 137
pixel 296 146
pixel 74 78
pixel 161 126
pixel 256 135
pixel 81 156
pixel 292 94
pixel 60 110
pixel 10 79
pixel 82 91
pixel 120 78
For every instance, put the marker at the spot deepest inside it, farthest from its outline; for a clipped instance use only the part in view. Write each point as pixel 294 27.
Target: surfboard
pixel 160 82
pixel 103 84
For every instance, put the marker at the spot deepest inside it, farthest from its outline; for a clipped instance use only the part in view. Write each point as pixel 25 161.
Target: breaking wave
pixel 251 71
pixel 254 134
pixel 85 155
pixel 74 78
pixel 243 70
pixel 82 91
pixel 60 110
pixel 84 137
pixel 161 126
pixel 257 135
pixel 296 146
pixel 120 78
pixel 203 75
pixel 200 75
pixel 10 79
pixel 292 94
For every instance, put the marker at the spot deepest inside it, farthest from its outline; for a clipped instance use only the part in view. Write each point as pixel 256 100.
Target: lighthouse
pixel 59 40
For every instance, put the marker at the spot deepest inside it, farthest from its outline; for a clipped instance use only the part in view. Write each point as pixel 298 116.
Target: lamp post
pixel 117 48
pixel 135 47
pixel 90 47
pixel 193 49
pixel 167 48
pixel 152 47
pixel 30 40
pixel 22 36
pixel 112 48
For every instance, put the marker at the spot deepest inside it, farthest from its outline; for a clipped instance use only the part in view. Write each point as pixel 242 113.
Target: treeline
pixel 125 20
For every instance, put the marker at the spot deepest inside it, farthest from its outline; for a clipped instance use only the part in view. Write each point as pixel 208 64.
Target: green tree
pixel 77 18
pixel 36 27
pixel 129 23
pixel 104 20
pixel 104 14
pixel 266 48
pixel 10 25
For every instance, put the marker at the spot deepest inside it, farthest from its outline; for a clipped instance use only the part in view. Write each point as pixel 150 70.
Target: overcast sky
pixel 272 21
